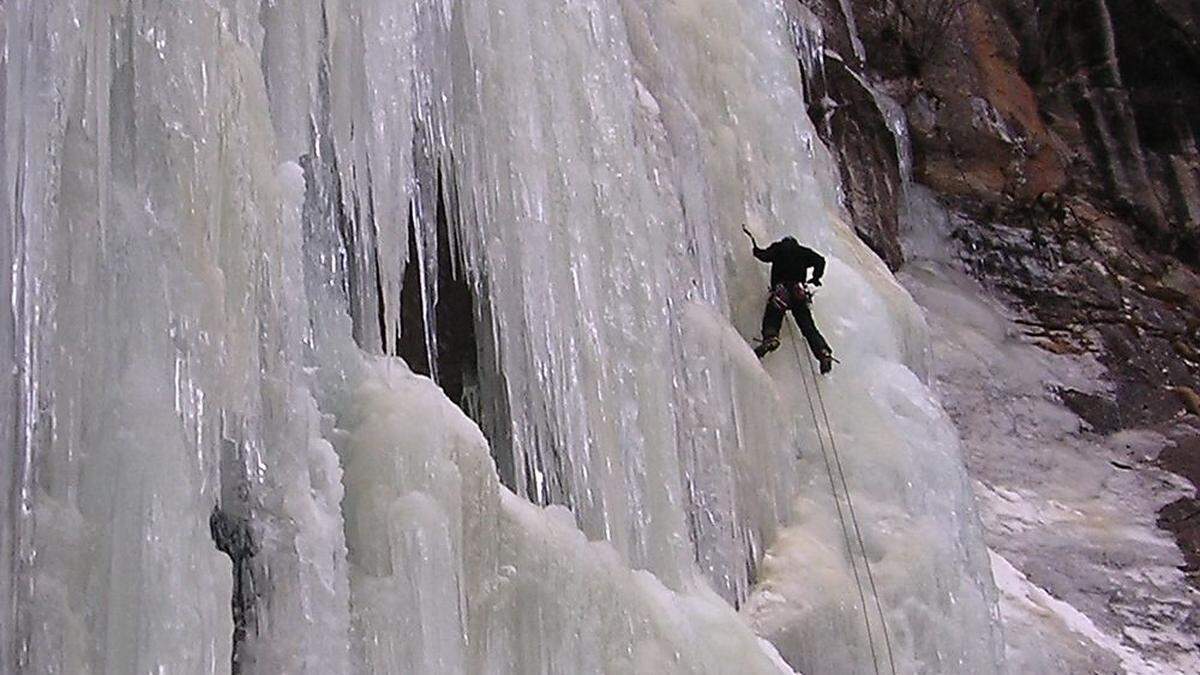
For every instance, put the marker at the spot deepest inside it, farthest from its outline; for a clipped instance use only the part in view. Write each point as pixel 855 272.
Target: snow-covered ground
pixel 1088 582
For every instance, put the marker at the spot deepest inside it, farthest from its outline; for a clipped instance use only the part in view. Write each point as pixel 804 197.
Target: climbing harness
pixel 786 296
pixel 780 298
pixel 829 469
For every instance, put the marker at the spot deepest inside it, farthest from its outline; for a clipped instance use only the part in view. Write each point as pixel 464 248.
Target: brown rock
pixel 1189 398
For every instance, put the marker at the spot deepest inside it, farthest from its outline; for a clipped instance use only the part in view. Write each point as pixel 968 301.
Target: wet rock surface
pixel 867 157
pixel 852 117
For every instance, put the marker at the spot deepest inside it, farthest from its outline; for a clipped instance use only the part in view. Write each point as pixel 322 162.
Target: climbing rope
pixel 829 469
pixel 841 516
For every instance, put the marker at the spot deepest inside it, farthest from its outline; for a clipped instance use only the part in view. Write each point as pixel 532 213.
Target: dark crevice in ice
pixel 233 532
pixel 458 317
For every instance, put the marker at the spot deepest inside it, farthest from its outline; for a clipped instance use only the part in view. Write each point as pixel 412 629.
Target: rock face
pixel 867 150
pixel 1063 135
pixel 858 123
pixel 1095 99
pixel 1130 71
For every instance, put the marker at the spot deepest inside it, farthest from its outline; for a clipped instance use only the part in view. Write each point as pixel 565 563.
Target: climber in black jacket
pixel 790 265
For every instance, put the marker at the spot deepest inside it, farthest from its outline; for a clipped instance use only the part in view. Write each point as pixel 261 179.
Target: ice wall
pixel 210 206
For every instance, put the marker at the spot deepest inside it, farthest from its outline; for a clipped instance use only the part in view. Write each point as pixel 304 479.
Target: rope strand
pixel 838 503
pixel 849 504
pixel 854 519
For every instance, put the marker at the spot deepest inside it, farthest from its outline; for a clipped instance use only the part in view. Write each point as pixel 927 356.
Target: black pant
pixel 773 321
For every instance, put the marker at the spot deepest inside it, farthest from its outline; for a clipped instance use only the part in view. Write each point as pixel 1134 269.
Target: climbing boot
pixel 826 360
pixel 768 345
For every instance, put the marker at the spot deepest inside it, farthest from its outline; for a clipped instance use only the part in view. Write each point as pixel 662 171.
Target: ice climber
pixel 790 266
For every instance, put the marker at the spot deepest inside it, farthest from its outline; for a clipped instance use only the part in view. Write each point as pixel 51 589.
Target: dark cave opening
pixel 457 351
pixel 462 365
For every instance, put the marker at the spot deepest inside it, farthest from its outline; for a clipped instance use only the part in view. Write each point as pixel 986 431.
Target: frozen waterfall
pixel 224 219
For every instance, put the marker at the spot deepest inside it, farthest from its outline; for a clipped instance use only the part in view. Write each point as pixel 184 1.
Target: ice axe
pixel 752 239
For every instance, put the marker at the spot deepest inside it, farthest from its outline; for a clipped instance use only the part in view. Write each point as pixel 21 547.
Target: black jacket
pixel 790 262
